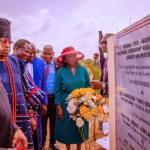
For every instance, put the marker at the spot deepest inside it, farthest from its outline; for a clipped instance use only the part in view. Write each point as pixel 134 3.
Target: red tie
pixel 47 70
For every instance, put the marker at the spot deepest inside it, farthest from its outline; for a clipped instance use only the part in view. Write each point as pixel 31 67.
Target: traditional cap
pixel 4 27
pixel 8 33
pixel 68 51
pixel 96 54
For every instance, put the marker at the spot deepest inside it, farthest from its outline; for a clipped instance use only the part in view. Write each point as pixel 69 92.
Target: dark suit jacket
pixel 7 127
pixel 102 61
pixel 57 66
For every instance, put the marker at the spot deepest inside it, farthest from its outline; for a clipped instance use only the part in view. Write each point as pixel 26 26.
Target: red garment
pixel 47 71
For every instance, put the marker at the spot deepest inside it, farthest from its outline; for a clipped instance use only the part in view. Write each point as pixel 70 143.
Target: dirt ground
pixel 94 146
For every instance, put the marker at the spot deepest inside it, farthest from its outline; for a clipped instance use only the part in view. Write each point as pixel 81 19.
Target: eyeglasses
pixel 5 41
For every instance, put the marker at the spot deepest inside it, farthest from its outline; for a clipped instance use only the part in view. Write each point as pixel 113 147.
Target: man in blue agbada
pixel 9 131
pixel 24 97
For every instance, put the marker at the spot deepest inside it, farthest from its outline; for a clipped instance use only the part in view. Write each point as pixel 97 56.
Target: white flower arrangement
pixel 86 105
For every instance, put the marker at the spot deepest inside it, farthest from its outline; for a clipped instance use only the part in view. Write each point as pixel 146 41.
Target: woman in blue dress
pixel 70 77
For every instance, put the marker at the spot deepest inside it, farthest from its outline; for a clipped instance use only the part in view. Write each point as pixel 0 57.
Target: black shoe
pixel 54 146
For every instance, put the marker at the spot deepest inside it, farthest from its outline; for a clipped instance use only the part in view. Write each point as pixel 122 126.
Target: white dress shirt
pixel 30 68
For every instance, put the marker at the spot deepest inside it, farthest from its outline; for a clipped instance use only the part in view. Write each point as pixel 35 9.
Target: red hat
pixel 68 51
pixel 96 54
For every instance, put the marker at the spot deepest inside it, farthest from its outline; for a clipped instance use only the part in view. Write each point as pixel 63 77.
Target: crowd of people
pixel 34 90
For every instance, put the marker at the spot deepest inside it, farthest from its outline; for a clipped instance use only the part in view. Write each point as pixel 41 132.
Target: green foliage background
pixel 96 71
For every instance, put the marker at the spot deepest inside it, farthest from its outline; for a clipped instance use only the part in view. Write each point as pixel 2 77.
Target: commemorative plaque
pixel 132 81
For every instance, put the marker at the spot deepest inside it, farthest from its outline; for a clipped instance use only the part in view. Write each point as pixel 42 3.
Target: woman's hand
pixel 60 112
pixel 20 136
pixel 33 124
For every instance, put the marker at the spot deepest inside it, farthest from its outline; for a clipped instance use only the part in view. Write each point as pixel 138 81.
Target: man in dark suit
pixel 36 68
pixel 103 83
pixel 51 67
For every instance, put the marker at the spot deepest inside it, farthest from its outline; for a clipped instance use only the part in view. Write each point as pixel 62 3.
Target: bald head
pixel 48 53
pixel 47 47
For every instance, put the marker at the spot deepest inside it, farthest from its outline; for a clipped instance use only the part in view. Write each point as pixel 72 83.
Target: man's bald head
pixel 48 53
pixel 48 47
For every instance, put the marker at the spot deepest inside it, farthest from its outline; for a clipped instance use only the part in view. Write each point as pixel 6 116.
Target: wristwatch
pixel 103 85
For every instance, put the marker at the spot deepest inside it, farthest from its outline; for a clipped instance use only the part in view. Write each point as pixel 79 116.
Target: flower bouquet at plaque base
pixel 86 105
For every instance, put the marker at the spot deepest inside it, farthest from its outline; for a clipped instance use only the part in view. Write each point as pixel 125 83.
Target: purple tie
pixel 47 71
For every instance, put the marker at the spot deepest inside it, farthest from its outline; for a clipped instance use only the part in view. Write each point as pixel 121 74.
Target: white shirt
pixel 30 68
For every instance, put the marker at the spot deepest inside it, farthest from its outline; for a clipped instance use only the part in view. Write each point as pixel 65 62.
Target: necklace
pixel 73 68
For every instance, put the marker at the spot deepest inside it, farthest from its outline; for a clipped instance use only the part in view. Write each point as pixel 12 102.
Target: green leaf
pixel 96 71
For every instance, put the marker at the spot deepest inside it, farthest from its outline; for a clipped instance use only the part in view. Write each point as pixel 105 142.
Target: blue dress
pixel 66 131
pixel 24 88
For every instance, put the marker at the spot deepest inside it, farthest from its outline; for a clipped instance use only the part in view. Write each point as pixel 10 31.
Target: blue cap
pixel 4 27
pixel 8 33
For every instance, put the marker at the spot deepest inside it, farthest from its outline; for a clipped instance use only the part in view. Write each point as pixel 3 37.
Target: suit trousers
pixel 35 140
pixel 51 114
